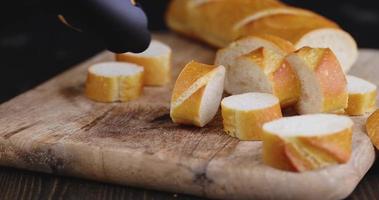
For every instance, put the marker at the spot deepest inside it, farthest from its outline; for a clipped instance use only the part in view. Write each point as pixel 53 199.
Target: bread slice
pixel 228 55
pixel 197 94
pixel 362 96
pixel 244 115
pixel 307 30
pixel 156 60
pixel 307 142
pixel 323 83
pixel 114 81
pixel 263 70
pixel 372 127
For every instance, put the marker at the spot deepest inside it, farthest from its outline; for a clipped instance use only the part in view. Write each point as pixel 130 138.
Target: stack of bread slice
pixel 220 22
pixel 124 81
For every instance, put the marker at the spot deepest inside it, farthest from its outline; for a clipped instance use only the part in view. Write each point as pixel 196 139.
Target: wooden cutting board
pixel 55 129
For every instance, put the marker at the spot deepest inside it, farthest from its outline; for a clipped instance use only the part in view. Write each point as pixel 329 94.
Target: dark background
pixel 34 45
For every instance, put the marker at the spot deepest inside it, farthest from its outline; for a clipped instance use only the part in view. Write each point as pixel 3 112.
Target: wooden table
pixel 18 184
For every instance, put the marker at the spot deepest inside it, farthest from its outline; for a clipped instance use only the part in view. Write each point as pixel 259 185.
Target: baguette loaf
pixel 323 83
pixel 372 127
pixel 156 61
pixel 263 70
pixel 220 22
pixel 197 94
pixel 362 96
pixel 244 115
pixel 307 142
pixel 113 81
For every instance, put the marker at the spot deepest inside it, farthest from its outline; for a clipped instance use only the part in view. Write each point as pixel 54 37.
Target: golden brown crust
pixel 210 22
pixel 288 27
pixel 332 81
pixel 188 76
pixel 301 153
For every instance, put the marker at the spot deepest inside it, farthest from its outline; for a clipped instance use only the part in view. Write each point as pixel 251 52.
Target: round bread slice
pixel 114 81
pixel 362 96
pixel 156 60
pixel 372 127
pixel 264 70
pixel 323 83
pixel 307 30
pixel 228 55
pixel 307 142
pixel 244 115
pixel 197 94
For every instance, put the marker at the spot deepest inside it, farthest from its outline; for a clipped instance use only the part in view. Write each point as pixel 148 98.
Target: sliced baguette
pixel 244 114
pixel 323 83
pixel 197 94
pixel 263 70
pixel 220 22
pixel 362 96
pixel 228 55
pixel 114 81
pixel 156 60
pixel 372 127
pixel 307 142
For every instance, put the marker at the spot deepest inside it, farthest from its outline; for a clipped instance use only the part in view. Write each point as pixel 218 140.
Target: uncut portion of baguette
pixel 362 96
pixel 307 142
pixel 323 83
pixel 220 22
pixel 156 60
pixel 244 115
pixel 263 70
pixel 214 21
pixel 372 127
pixel 228 55
pixel 114 81
pixel 197 94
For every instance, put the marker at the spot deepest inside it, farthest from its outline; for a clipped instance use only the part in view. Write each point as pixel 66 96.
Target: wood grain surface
pixel 55 129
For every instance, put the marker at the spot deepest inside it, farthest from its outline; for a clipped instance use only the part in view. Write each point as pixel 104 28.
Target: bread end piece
pixel 197 94
pixel 113 81
pixel 244 114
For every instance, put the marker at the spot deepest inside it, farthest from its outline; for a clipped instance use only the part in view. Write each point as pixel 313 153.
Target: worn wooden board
pixel 55 129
